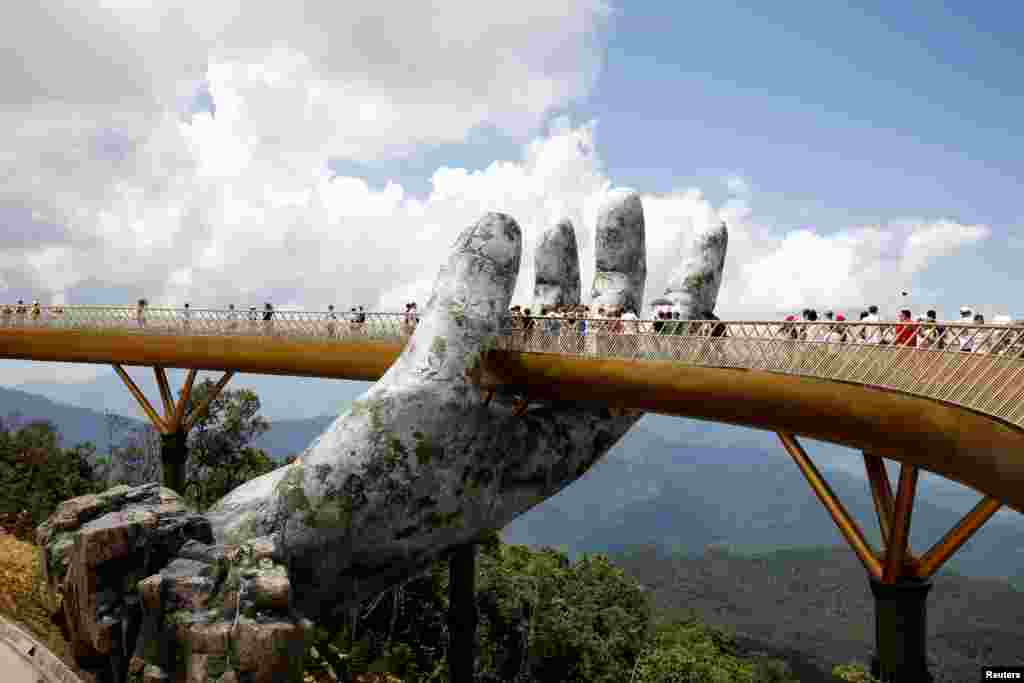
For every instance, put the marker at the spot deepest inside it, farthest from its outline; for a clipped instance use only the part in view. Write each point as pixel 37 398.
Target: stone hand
pixel 422 462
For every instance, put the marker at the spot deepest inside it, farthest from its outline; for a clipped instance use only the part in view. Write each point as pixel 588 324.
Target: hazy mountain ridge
pixel 674 483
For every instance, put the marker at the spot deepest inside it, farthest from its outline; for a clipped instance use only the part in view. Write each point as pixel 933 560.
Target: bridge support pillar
pixel 173 454
pixel 462 617
pixel 901 631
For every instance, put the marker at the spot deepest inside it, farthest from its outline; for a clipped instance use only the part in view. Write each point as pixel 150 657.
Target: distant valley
pixel 680 485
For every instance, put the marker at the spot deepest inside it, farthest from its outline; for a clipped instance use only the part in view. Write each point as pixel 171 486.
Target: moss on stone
pixel 439 345
pixel 291 491
pixel 243 532
pixel 216 666
pixel 445 520
pixel 426 450
pixel 694 281
pixel 458 313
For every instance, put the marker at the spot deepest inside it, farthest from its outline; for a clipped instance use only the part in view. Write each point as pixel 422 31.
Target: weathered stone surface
pixel 620 253
pixel 694 284
pixel 420 464
pixel 557 265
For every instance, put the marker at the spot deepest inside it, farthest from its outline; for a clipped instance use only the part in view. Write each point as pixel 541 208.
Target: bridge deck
pixel 958 414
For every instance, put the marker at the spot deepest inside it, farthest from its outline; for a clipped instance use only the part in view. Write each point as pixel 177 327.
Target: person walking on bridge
pixel 19 312
pixel 332 322
pixel 906 330
pixel 7 313
pixel 36 312
pixel 140 314
pixel 253 319
pixel 964 335
pixel 187 317
pixel 232 318
pixel 268 318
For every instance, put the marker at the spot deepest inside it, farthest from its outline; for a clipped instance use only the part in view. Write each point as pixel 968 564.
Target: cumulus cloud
pixel 113 186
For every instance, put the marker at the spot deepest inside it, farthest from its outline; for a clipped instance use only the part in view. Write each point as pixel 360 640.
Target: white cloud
pixel 238 205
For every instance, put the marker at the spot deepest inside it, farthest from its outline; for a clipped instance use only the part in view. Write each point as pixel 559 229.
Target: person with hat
pixel 962 336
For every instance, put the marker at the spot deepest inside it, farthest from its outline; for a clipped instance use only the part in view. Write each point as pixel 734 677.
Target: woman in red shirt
pixel 906 332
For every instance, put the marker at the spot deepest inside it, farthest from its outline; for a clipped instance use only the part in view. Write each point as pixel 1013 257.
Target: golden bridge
pixel 952 404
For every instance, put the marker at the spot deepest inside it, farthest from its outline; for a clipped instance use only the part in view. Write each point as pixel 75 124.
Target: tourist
pixel 906 331
pixel 140 314
pixel 873 331
pixel 232 318
pixel 268 318
pixel 7 313
pixel 982 336
pixel 964 335
pixel 928 334
pixel 332 322
pixel 36 312
pixel 187 316
pixel 408 318
pixel 19 312
pixel 253 319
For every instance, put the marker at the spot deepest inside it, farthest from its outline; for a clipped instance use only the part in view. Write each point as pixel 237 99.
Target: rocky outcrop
pixel 419 465
pixel 146 595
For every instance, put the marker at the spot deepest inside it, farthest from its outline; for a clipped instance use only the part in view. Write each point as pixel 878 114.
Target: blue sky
pixel 854 151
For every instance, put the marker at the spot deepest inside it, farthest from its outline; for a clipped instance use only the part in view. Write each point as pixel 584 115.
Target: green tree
pixel 221 456
pixel 36 474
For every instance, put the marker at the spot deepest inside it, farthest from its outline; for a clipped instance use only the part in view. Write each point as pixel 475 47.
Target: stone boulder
pixel 145 595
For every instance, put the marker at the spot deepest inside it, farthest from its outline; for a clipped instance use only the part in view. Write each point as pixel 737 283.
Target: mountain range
pixel 677 484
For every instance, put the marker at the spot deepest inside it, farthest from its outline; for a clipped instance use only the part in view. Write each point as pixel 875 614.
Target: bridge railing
pixel 980 367
pixel 975 366
pixel 319 325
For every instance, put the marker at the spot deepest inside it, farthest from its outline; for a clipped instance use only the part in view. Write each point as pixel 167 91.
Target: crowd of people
pixel 970 334
pixel 605 328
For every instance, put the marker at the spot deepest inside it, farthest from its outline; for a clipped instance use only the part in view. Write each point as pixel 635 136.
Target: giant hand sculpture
pixel 422 462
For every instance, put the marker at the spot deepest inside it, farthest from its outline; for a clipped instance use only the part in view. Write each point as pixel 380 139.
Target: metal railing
pixel 979 367
pixel 310 325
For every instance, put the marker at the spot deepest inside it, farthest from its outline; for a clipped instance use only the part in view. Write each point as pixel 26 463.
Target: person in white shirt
pixel 872 334
pixel 964 335
pixel 981 335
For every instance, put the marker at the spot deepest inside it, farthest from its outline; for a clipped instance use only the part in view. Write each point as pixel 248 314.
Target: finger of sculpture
pixel 693 286
pixel 420 464
pixel 620 253
pixel 557 263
